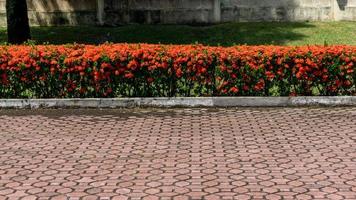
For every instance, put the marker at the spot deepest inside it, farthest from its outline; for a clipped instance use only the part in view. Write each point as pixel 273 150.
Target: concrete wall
pixel 57 12
pixel 160 11
pixel 275 10
pixel 115 12
pixel 288 10
pixel 211 11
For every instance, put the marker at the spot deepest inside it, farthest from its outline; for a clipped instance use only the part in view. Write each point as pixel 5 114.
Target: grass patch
pixel 277 33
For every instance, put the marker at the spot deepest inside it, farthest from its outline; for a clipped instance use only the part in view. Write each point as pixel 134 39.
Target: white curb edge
pixel 179 102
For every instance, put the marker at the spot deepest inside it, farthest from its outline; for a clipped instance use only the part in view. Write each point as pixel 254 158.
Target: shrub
pixel 127 70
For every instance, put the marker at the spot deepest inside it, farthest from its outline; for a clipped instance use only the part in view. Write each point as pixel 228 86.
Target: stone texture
pixel 244 153
pixel 58 12
pixel 180 102
pixel 117 12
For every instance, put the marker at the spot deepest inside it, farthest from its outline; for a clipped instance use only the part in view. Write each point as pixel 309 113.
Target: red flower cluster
pixel 125 70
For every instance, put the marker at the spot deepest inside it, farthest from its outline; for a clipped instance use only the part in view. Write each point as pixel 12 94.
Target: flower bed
pixel 127 70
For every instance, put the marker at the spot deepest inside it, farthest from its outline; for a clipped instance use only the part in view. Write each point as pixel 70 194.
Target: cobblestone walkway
pixel 249 153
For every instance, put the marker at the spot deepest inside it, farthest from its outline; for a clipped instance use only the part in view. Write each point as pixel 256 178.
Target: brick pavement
pixel 246 153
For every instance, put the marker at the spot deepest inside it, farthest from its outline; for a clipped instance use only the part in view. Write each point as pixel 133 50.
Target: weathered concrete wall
pixel 114 12
pixel 212 11
pixel 47 12
pixel 57 12
pixel 345 10
pixel 160 11
pixel 288 10
pixel 276 10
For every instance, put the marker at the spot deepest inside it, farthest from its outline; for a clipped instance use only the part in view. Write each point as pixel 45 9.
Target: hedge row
pixel 127 70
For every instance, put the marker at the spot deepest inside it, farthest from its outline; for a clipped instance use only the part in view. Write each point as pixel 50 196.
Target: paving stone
pixel 235 153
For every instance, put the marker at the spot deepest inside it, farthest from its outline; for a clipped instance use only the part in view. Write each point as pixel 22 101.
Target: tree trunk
pixel 18 29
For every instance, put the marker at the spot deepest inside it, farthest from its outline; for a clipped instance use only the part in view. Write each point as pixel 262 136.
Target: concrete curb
pixel 179 102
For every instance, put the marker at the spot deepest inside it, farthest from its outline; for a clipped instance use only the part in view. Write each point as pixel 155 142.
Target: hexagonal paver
pixel 164 154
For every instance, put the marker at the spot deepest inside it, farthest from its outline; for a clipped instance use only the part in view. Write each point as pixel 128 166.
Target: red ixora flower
pixel 129 75
pixel 185 69
pixel 260 85
pixel 234 90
